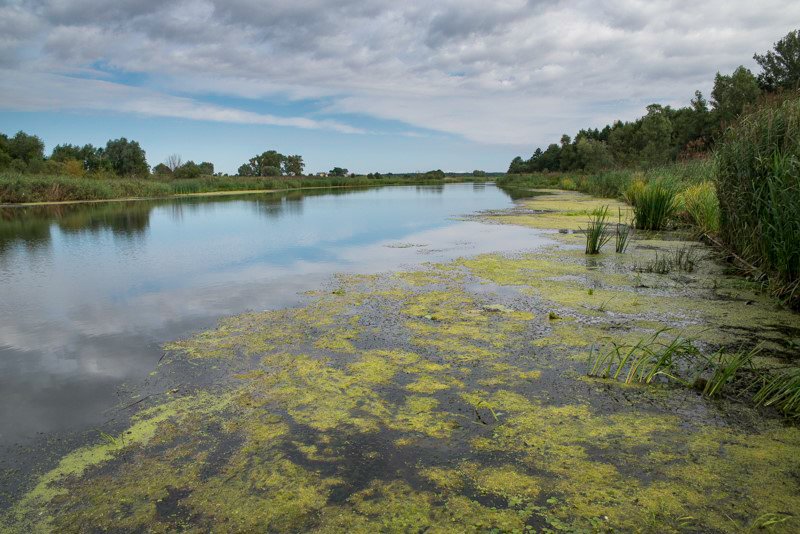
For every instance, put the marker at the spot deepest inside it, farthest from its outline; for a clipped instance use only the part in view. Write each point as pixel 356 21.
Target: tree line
pixel 665 134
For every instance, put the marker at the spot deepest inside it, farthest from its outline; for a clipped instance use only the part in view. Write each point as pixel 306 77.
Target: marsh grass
pixel 701 206
pixel 724 369
pixel 645 361
pixel 623 234
pixel 597 233
pixel 684 258
pixel 758 184
pixel 782 391
pixel 654 204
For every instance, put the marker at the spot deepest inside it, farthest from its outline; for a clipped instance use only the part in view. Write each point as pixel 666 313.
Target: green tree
pixel 781 65
pixel 263 164
pixel 126 158
pixel 338 171
pixel 656 136
pixel 27 148
pixel 162 170
pixel 188 170
pixel 517 166
pixel 206 168
pixel 733 93
pixel 593 155
pixel 293 165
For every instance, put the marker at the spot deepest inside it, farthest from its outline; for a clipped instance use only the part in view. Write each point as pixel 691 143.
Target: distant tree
pixel 126 158
pixel 438 174
pixel 733 93
pixel 656 136
pixel 263 164
pixel 206 168
pixel 188 170
pixel 337 171
pixel 173 161
pixel 66 152
pixel 162 170
pixel 5 157
pixel 478 173
pixel 293 165
pixel 73 167
pixel 517 166
pixel 27 148
pixel 592 154
pixel 781 65
pixel 245 170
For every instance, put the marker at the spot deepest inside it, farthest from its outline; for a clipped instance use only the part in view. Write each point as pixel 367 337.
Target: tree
pixel 245 169
pixel 263 164
pixel 733 93
pixel 338 171
pixel 517 166
pixel 293 165
pixel 173 161
pixel 73 167
pixel 66 152
pixel 592 155
pixel 781 66
pixel 656 135
pixel 190 169
pixel 477 173
pixel 206 168
pixel 27 148
pixel 162 169
pixel 126 158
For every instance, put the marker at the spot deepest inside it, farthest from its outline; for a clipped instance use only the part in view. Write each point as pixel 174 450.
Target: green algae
pixel 408 402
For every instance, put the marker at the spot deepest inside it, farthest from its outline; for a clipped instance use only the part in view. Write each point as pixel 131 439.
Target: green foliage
pixel 702 207
pixel 781 65
pixel 338 171
pixel 622 233
pixel 126 158
pixel 26 148
pixel 293 165
pixel 758 184
pixel 478 173
pixel 654 205
pixel 597 233
pixel 782 391
pixel 264 164
pixel 734 93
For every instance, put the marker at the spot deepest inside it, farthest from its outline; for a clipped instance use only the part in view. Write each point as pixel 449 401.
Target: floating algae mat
pixel 449 399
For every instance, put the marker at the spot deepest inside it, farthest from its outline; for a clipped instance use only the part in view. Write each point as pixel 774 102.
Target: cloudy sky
pixel 365 84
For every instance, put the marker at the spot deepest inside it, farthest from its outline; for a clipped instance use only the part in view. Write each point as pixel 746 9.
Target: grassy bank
pixel 20 188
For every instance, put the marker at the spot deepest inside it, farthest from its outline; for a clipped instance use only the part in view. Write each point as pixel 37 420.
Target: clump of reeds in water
pixel 782 391
pixel 597 233
pixel 654 204
pixel 683 258
pixel 702 207
pixel 623 234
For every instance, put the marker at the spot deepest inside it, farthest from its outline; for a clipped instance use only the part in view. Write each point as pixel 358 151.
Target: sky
pixel 370 85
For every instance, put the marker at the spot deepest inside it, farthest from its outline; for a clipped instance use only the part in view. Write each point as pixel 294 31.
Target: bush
pixel 758 183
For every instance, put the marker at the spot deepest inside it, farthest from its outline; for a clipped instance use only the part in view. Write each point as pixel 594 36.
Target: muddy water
pixel 89 292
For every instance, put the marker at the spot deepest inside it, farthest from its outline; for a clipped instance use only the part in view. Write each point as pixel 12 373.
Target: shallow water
pixel 89 292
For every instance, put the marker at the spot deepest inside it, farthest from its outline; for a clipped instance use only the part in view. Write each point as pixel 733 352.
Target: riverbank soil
pixel 454 398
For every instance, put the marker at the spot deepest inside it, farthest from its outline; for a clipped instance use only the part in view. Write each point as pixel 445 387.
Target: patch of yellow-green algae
pixel 407 403
pixel 563 210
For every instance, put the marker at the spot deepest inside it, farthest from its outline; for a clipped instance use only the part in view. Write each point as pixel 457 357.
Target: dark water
pixel 89 292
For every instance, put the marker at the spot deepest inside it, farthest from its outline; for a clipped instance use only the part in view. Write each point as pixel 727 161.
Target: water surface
pixel 89 292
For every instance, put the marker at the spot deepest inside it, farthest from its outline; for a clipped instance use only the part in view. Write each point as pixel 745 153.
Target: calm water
pixel 89 292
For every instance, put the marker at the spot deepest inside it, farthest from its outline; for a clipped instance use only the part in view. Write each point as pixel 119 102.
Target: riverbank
pixel 20 189
pixel 455 397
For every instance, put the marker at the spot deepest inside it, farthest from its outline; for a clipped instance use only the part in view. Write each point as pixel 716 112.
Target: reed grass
pixel 623 234
pixel 597 233
pixel 701 206
pixel 654 205
pixel 782 390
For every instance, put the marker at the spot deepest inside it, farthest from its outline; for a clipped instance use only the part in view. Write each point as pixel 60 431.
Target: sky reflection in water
pixel 89 292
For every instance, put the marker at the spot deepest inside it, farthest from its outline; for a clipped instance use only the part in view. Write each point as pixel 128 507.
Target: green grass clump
pixel 654 205
pixel 607 184
pixel 782 391
pixel 702 207
pixel 597 233
pixel 623 234
pixel 758 184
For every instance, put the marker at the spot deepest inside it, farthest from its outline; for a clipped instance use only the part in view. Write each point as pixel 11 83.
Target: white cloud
pixel 511 72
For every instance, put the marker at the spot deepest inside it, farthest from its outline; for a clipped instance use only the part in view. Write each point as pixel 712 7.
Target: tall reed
pixel 597 233
pixel 654 205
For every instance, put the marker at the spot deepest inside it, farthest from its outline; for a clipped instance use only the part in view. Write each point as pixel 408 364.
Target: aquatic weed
pixel 597 233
